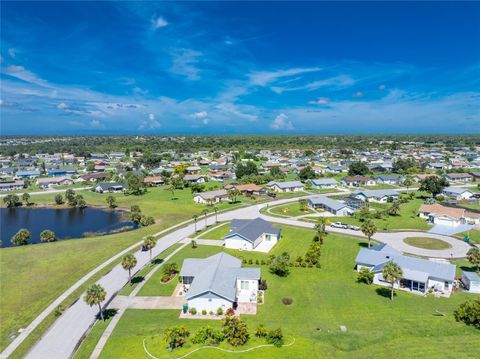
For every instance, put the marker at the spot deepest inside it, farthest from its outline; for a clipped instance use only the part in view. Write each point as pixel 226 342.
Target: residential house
pixel 447 216
pixel 153 181
pixel 324 183
pixel 422 176
pixel 378 195
pixel 109 187
pixel 248 189
pixel 221 176
pixel 12 185
pixel 392 179
pixel 61 172
pixel 354 202
pixel 193 170
pixel 93 177
pixel 54 181
pixel 219 281
pixel 252 235
pixel 291 186
pixel 333 206
pixel 457 193
pixel 471 281
pixel 419 275
pixel 357 181
pixel 194 179
pixel 336 169
pixel 211 196
pixel 458 177
pixel 27 174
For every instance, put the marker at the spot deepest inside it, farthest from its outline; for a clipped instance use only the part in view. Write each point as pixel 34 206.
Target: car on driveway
pixel 339 225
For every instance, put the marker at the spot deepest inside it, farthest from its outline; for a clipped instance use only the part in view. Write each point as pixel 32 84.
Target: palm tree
pixel 408 182
pixel 369 229
pixel 95 296
pixel 149 243
pixel 233 194
pixel 392 273
pixel 205 212
pixel 394 209
pixel 215 209
pixel 195 219
pixel 128 263
pixel 320 228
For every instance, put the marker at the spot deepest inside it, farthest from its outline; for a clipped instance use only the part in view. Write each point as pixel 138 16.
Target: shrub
pixel 262 262
pixel 318 265
pixel 59 310
pixel 235 330
pixel 469 313
pixel 244 261
pixel 250 261
pixel 275 337
pixel 257 262
pixel 287 301
pixel 365 275
pixel 261 331
pixel 210 312
pixel 207 335
pixel 59 199
pixel 220 311
pixel 204 312
pixel 263 285
pixel 279 265
pixel 192 311
pixel 260 298
pixel 194 244
pixel 176 336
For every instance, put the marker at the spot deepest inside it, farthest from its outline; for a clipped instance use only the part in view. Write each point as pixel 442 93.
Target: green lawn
pixel 217 233
pixel 288 210
pixel 427 243
pixel 40 273
pixel 324 299
pixel 473 234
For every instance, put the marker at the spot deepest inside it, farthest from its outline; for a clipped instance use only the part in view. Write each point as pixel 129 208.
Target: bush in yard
pixel 287 301
pixel 21 238
pixel 204 312
pixel 219 311
pixel 192 311
pixel 250 261
pixel 257 262
pixel 275 337
pixel 365 275
pixel 263 284
pixel 176 336
pixel 59 199
pixel 235 330
pixel 469 313
pixel 207 335
pixel 260 298
pixel 261 331
pixel 280 264
pixel 262 262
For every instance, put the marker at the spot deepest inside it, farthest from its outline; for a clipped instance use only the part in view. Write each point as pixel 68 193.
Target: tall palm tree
pixel 215 209
pixel 408 181
pixel 320 228
pixel 195 219
pixel 128 263
pixel 149 243
pixel 205 212
pixel 369 229
pixel 392 273
pixel 95 296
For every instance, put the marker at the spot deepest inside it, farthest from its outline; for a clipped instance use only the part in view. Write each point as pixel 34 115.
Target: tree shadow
pixel 467 268
pixel 108 313
pixel 384 292
pixel 137 279
pixel 363 244
pixel 157 261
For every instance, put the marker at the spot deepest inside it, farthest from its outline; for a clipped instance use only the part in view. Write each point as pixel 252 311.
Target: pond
pixel 65 222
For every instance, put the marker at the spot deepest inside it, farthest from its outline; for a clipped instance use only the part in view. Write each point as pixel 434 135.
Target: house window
pixel 268 237
pixel 244 285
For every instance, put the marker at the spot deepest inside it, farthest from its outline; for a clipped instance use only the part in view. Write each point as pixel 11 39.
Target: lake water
pixel 65 222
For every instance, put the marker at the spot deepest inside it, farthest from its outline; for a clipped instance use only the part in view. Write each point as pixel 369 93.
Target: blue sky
pixel 231 67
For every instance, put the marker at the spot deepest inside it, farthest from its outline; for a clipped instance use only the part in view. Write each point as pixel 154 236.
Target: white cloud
pixel 159 22
pixel 263 78
pixel 205 121
pixel 184 63
pixel 96 124
pixel 358 94
pixel 12 52
pixel 320 101
pixel 340 81
pixel 200 114
pixel 382 87
pixel 62 106
pixel 232 109
pixel 280 123
pixel 151 117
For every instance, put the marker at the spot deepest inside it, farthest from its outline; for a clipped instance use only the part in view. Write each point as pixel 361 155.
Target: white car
pixel 339 225
pixel 354 228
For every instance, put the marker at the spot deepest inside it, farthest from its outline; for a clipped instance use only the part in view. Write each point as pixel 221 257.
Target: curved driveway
pixel 63 336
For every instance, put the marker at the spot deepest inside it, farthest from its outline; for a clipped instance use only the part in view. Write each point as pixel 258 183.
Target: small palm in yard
pixel 128 263
pixel 392 273
pixel 369 229
pixel 205 213
pixel 394 210
pixel 195 219
pixel 320 228
pixel 95 296
pixel 149 243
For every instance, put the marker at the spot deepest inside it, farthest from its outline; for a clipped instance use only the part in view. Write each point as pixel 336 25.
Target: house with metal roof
pixel 252 235
pixel 290 186
pixel 109 187
pixel 376 195
pixel 27 174
pixel 419 275
pixel 457 193
pixel 471 282
pixel 219 281
pixel 392 179
pixel 324 183
pixel 333 206
pixel 211 197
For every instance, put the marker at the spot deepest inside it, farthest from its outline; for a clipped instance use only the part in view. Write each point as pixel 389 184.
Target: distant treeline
pixel 84 145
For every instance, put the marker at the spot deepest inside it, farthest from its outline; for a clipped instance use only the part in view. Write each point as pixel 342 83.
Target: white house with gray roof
pixel 219 281
pixel 252 235
pixel 457 193
pixel 333 206
pixel 324 183
pixel 419 275
pixel 291 186
pixel 376 195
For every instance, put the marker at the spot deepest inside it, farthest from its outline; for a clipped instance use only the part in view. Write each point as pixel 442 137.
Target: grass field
pixel 323 300
pixel 40 273
pixel 287 210
pixel 473 234
pixel 427 243
pixel 217 233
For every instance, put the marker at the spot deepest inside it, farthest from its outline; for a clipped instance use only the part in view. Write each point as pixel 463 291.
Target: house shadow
pixel 108 313
pixel 467 268
pixel 384 292
pixel 137 279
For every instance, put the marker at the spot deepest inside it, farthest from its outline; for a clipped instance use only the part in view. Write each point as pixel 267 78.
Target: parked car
pixel 339 225
pixel 271 194
pixel 354 228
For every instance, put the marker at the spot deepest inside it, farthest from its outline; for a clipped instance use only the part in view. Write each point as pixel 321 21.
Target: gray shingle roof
pixel 289 184
pixel 324 181
pixel 217 274
pixel 327 202
pixel 415 267
pixel 251 229
pixel 376 193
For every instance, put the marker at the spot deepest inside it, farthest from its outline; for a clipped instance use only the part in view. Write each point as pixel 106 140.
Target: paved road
pixel 49 191
pixel 63 336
